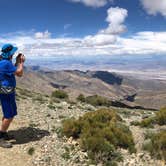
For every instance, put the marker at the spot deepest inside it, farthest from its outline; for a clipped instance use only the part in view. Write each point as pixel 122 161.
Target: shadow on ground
pixel 28 134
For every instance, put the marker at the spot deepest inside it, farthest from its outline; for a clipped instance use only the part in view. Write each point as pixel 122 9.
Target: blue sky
pixel 52 15
pixel 84 27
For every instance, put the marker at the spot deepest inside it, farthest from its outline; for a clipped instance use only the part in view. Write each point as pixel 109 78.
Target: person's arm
pixel 20 67
pixel 19 71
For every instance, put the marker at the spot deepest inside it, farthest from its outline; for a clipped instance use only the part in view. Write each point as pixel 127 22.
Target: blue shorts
pixel 9 106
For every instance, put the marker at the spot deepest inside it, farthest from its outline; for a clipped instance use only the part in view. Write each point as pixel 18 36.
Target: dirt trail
pixel 15 156
pixel 26 136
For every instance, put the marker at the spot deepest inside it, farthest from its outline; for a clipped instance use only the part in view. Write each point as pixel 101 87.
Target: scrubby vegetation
pixel 39 99
pixel 148 122
pixel 31 151
pixel 157 145
pixel 60 94
pixel 81 98
pixel 98 100
pixel 159 118
pixel 66 154
pixel 100 133
pixel 94 100
pixel 24 92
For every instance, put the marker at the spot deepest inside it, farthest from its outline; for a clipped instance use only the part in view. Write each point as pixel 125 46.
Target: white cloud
pixel 99 39
pixel 116 17
pixel 144 43
pixel 67 26
pixel 154 7
pixel 106 42
pixel 42 35
pixel 140 43
pixel 92 3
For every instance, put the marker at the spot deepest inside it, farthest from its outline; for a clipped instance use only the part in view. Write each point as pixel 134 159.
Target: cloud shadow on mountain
pixel 108 77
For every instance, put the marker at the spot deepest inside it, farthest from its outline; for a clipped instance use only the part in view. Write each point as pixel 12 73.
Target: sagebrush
pixel 100 133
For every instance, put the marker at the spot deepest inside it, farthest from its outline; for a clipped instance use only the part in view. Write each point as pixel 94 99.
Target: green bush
pixel 24 92
pixel 97 101
pixel 159 118
pixel 81 98
pixel 100 133
pixel 52 107
pixel 148 122
pixel 135 123
pixel 66 155
pixel 71 128
pixel 31 151
pixel 157 145
pixel 60 94
pixel 40 99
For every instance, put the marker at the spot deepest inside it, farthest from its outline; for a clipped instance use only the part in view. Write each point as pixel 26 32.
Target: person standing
pixel 7 89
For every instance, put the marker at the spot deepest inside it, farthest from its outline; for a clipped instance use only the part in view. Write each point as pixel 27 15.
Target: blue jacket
pixel 7 70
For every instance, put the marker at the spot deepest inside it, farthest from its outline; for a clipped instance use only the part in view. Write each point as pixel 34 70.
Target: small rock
pixel 140 155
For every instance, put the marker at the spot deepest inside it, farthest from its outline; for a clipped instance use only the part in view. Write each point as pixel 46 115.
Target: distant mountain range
pixel 119 62
pixel 144 67
pixel 126 89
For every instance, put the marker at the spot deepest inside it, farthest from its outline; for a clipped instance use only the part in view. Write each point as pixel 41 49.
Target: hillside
pixel 39 141
pixel 127 89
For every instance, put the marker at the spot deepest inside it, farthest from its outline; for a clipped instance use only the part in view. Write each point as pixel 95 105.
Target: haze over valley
pixel 142 66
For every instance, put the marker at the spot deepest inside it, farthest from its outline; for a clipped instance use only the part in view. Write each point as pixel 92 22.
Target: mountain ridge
pixel 127 89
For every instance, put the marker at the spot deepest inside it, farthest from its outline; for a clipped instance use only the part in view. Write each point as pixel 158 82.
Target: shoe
pixel 5 144
pixel 7 137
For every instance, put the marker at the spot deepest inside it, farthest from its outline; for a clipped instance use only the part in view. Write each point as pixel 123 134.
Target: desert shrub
pixel 81 98
pixel 40 99
pixel 33 125
pixel 66 155
pixel 157 145
pixel 61 116
pixel 135 123
pixel 51 106
pixel 59 94
pixel 31 151
pixel 159 118
pixel 100 133
pixel 24 92
pixel 71 102
pixel 71 127
pixel 148 134
pixel 147 122
pixel 97 101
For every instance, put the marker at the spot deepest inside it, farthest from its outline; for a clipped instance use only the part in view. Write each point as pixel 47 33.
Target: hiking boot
pixel 7 137
pixel 5 144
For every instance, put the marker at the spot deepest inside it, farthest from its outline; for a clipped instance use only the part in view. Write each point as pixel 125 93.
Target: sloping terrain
pixel 130 90
pixel 38 143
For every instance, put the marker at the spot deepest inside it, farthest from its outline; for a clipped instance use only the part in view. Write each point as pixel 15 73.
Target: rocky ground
pixel 37 135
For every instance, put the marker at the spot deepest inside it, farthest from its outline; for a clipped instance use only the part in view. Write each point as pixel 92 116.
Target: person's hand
pixel 20 59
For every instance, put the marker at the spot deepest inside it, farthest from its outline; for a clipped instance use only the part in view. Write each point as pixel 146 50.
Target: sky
pixel 50 28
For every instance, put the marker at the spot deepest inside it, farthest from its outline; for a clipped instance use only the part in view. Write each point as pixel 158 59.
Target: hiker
pixel 7 89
